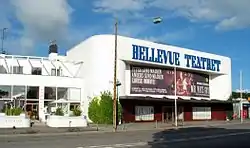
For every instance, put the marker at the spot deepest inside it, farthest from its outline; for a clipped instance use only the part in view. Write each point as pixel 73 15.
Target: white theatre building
pixel 152 75
pixel 148 73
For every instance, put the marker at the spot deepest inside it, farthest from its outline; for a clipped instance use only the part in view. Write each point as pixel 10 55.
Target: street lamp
pixel 156 20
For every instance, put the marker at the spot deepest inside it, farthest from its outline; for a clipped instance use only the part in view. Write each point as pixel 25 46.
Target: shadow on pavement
pixel 204 137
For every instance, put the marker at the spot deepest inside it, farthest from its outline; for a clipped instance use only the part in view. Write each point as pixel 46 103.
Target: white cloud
pixel 173 36
pixel 32 22
pixel 119 5
pixel 227 14
pixel 43 20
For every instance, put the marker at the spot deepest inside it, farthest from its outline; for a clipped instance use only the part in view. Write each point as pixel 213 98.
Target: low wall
pixel 14 121
pixel 64 121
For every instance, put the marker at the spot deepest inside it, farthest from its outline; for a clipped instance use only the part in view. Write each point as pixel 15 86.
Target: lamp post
pixel 156 20
pixel 2 39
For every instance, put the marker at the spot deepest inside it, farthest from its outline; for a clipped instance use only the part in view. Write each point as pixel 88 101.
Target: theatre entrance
pixel 32 110
pixel 167 114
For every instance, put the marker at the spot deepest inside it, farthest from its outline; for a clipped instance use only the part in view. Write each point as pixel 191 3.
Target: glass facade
pixel 27 97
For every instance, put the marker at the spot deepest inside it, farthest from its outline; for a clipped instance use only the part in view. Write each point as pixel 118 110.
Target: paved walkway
pixel 160 125
pixel 39 128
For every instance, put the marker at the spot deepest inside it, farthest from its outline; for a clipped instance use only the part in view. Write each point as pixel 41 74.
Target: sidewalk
pixel 39 129
pixel 160 125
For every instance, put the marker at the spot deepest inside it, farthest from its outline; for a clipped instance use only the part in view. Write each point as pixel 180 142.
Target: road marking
pixel 164 142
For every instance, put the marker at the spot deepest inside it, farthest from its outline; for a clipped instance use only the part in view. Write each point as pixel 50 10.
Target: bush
pixel 59 112
pixel 77 111
pixel 101 109
pixel 94 110
pixel 13 111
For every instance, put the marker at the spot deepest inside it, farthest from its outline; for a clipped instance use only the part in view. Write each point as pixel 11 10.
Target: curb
pixel 120 131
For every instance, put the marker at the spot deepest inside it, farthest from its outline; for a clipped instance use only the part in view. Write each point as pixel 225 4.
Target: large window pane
pixel 5 91
pixel 32 92
pixel 74 94
pixel 62 93
pixel 50 93
pixel 19 92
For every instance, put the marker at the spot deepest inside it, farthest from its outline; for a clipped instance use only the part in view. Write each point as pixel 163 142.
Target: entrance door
pixel 32 110
pixel 167 114
pixel 180 116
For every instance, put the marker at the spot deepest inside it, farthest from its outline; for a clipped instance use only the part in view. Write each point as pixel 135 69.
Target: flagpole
pixel 175 100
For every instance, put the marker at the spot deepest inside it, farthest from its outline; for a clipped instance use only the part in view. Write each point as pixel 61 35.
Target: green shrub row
pixel 13 111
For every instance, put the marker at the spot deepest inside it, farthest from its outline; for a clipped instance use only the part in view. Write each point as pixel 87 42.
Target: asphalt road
pixel 228 136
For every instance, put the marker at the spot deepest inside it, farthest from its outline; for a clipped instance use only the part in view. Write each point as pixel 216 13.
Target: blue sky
pixel 216 26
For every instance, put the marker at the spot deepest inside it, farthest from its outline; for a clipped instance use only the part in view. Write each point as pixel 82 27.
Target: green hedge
pixel 13 111
pixel 101 109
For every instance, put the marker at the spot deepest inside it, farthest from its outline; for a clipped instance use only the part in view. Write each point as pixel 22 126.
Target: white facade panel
pixel 98 53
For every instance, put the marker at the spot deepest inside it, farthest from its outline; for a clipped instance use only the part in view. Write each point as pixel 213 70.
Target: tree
pixel 101 109
pixel 94 110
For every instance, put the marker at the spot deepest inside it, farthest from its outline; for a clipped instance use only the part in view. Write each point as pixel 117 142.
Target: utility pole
pixel 241 96
pixel 115 81
pixel 2 39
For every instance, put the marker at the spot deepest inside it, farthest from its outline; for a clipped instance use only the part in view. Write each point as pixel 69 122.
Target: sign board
pixel 164 56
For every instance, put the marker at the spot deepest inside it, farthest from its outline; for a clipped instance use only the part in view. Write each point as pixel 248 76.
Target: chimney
pixel 53 50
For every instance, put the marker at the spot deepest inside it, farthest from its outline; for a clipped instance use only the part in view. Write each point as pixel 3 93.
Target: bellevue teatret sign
pixel 171 58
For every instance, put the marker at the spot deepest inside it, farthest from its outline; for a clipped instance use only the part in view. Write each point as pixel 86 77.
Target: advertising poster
pixel 192 84
pixel 152 81
pixel 156 81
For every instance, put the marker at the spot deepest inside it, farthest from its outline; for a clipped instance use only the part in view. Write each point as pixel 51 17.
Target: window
pixel 62 93
pixel 36 71
pixel 50 93
pixel 74 106
pixel 202 113
pixel 18 92
pixel 144 113
pixel 5 91
pixel 17 69
pixel 55 72
pixel 32 92
pixel 74 94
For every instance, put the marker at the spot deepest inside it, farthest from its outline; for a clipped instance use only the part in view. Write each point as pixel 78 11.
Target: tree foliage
pixel 101 109
pixel 236 95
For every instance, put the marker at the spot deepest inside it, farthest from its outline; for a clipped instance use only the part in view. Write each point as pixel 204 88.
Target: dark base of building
pixel 149 110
